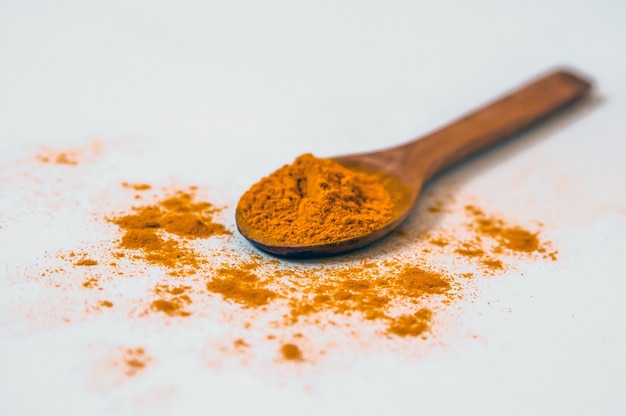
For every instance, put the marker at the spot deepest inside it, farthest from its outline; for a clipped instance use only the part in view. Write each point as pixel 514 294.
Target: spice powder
pixel 391 292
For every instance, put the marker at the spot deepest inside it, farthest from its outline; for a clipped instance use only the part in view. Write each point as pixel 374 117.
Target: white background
pixel 221 93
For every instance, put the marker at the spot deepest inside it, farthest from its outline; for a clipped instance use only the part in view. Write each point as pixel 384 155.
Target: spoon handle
pixel 496 121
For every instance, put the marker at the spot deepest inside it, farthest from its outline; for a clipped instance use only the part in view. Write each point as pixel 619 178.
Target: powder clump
pixel 315 201
pixel 291 352
pixel 411 325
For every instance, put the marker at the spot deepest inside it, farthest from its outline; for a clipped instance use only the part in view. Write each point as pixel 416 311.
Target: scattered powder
pixel 134 361
pixel 59 159
pixel 509 237
pixel 240 343
pixel 172 300
pixel 291 352
pixel 492 239
pixel 71 157
pixel 137 186
pixel 492 264
pixel 368 291
pixel 400 295
pixel 160 232
pixel 91 283
pixel 392 296
pixel 65 159
pixel 241 285
pixel 86 262
pixel 411 325
pixel 441 242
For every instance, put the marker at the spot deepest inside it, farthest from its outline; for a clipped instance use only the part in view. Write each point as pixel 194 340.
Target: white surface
pixel 220 93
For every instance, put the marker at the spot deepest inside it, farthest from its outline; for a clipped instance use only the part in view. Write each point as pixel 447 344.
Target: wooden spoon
pixel 416 162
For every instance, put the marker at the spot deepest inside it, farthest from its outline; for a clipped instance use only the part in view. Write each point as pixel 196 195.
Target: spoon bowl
pixel 407 167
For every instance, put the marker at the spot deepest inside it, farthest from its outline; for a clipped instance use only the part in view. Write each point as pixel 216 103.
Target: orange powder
pixel 240 343
pixel 441 242
pixel 395 293
pixel 91 283
pixel 172 300
pixel 411 325
pixel 315 201
pixel 398 296
pixel 65 159
pixel 492 240
pixel 291 352
pixel 71 157
pixel 137 186
pixel 415 282
pixel 59 159
pixel 372 295
pixel 134 361
pixel 239 284
pixel 160 231
pixel 508 237
pixel 86 262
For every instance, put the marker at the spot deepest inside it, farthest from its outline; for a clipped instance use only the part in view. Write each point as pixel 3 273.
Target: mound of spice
pixel 315 201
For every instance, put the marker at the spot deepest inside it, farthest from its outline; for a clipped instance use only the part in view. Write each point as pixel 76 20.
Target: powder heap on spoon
pixel 316 201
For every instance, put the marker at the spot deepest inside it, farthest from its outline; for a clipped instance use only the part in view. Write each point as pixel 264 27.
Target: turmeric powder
pixel 316 201
pixel 291 352
pixel 155 263
pixel 400 296
pixel 147 227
